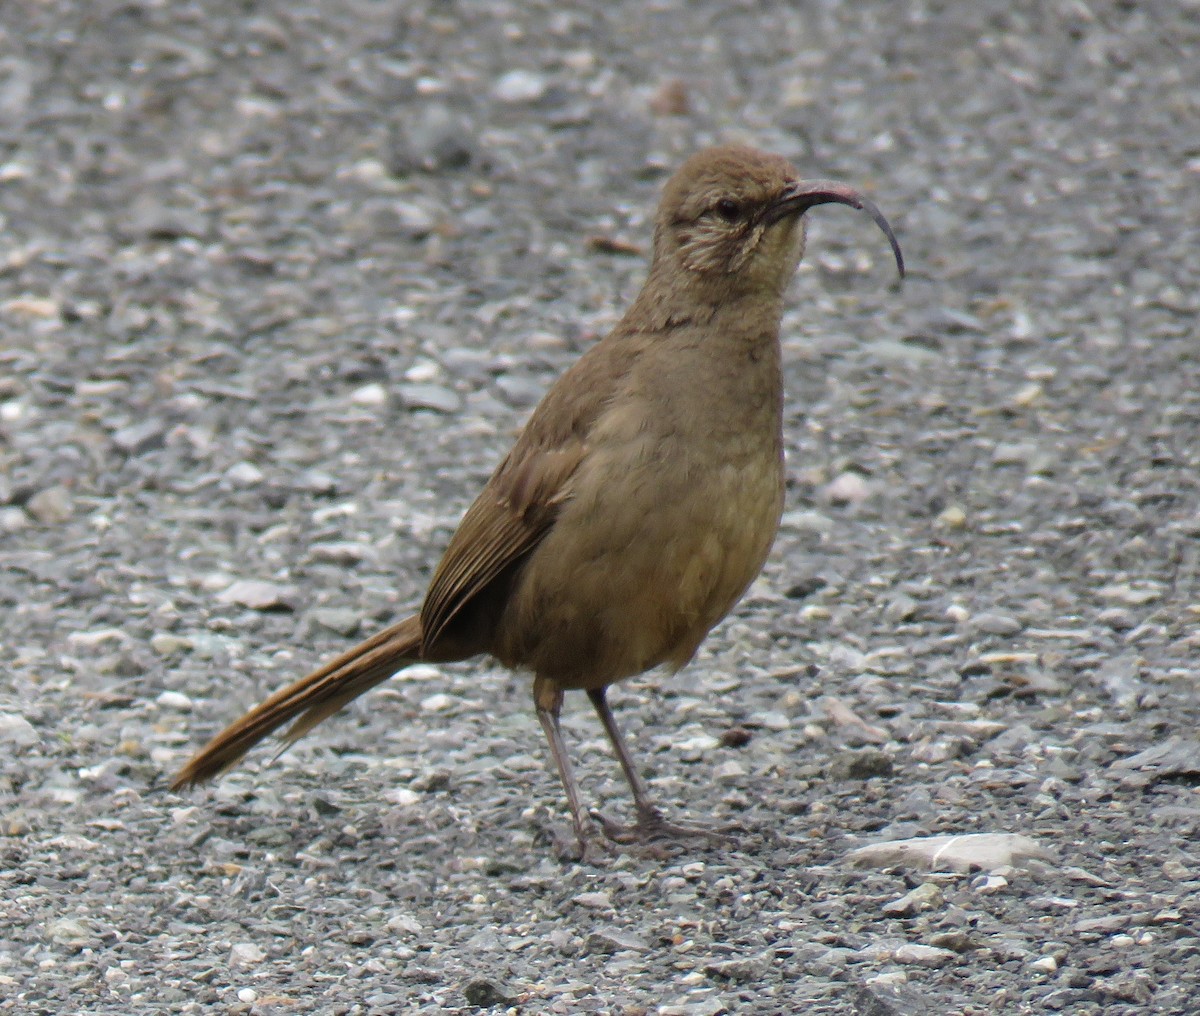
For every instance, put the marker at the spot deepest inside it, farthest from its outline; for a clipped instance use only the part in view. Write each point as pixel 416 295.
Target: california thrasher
pixel 640 500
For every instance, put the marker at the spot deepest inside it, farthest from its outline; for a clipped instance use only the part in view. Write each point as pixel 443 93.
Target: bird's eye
pixel 727 209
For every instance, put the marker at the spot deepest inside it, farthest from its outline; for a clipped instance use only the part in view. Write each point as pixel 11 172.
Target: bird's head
pixel 730 222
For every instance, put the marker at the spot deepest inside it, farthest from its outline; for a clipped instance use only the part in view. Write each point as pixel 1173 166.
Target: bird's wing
pixel 524 496
pixel 507 520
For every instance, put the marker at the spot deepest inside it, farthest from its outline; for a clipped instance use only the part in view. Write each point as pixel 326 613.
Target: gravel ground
pixel 279 282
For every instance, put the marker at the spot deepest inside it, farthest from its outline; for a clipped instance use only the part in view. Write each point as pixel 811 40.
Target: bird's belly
pixel 637 569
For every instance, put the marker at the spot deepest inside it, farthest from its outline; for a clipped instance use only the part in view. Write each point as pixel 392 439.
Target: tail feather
pixel 309 700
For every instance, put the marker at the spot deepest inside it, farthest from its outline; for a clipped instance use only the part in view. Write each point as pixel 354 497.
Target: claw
pixel 652 827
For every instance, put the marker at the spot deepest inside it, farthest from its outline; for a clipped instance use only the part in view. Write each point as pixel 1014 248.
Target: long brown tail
pixel 322 693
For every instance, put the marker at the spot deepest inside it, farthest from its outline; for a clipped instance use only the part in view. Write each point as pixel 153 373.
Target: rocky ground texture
pixel 278 284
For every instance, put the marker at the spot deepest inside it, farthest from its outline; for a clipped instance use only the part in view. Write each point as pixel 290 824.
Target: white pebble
pixel 957 613
pixel 404 923
pixel 849 488
pixel 166 644
pixel 697 743
pixel 423 371
pixel 175 700
pixel 520 86
pixel 924 955
pixel 729 772
pixel 593 901
pixel 246 954
pixel 15 729
pixel 437 703
pixel 13 520
pixel 421 672
pixel 373 394
pixel 989 884
pixel 244 474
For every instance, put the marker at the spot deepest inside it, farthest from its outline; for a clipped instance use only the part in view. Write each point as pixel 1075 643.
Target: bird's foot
pixel 652 827
pixel 586 845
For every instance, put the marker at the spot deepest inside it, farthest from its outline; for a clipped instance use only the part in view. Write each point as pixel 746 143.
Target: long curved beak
pixel 802 196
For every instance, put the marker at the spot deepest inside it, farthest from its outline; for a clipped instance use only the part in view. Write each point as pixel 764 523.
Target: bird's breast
pixel 670 517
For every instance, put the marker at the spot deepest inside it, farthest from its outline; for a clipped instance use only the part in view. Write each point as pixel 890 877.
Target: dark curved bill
pixel 799 198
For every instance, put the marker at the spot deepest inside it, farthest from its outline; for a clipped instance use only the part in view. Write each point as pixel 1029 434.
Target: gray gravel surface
pixel 278 283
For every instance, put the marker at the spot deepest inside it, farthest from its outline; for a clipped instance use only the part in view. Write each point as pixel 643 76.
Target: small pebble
pixel 479 991
pixel 339 552
pixel 926 896
pixel 437 703
pixel 404 924
pixel 1117 618
pixel 696 745
pixel 519 391
pixel 860 764
pixel 1027 395
pixel 373 394
pixel 737 968
pixel 958 941
pixel 16 730
pixel 175 700
pixel 341 620
pixel 423 371
pixel 436 398
pixel 593 900
pixel 1013 454
pixel 52 506
pixel 1130 595
pixel 13 519
pixel 848 488
pixel 995 624
pixel 166 644
pixel 605 941
pixel 900 608
pixel 917 955
pixel 259 595
pixel 729 772
pixel 953 517
pixel 807 521
pixel 71 932
pixel 139 437
pixel 1176 870
pixel 520 86
pixel 987 884
pixel 243 474
pixel 246 954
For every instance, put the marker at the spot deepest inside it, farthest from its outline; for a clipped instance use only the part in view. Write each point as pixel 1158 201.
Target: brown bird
pixel 640 500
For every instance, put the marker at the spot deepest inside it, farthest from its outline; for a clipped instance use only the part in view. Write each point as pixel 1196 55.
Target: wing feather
pixel 508 519
pixel 523 498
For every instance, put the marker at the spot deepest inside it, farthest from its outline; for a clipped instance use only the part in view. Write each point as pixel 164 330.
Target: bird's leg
pixel 548 699
pixel 650 822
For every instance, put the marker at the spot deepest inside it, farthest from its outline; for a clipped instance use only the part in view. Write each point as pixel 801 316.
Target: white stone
pixel 373 394
pixel 969 852
pixel 246 954
pixel 15 729
pixel 175 700
pixel 520 86
pixel 437 703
